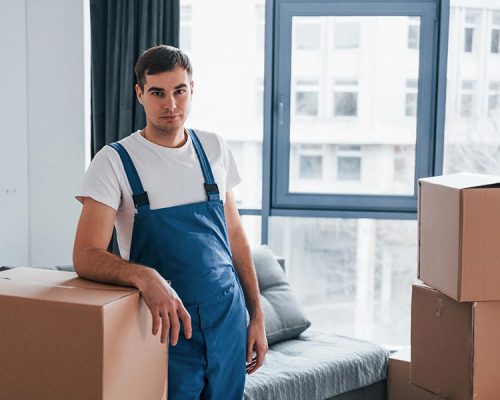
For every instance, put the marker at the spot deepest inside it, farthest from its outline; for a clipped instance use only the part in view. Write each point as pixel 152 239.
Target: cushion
pixel 283 315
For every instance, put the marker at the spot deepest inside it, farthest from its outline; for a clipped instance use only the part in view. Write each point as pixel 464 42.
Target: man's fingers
pixel 186 323
pixel 165 327
pixel 156 320
pixel 174 328
pixel 249 351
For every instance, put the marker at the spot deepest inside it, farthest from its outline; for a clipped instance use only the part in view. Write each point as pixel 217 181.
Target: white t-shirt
pixel 170 176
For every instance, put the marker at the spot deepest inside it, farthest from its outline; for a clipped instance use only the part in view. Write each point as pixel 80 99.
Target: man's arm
pixel 92 261
pixel 243 263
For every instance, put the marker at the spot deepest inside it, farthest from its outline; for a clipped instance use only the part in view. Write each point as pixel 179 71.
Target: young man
pixel 168 191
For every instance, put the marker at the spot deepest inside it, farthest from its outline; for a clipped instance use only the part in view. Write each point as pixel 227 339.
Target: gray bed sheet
pixel 317 366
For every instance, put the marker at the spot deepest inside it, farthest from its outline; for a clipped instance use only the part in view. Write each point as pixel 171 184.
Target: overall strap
pixel 141 200
pixel 211 187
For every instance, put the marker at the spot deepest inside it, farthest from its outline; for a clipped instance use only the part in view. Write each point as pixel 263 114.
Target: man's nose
pixel 169 103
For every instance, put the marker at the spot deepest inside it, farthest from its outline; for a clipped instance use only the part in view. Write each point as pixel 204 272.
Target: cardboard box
pixel 455 347
pixel 398 383
pixel 63 337
pixel 459 231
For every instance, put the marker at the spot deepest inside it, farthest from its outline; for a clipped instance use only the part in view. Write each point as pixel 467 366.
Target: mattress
pixel 317 366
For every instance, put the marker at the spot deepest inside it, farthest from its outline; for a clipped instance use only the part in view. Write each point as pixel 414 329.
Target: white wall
pixel 13 135
pixel 43 129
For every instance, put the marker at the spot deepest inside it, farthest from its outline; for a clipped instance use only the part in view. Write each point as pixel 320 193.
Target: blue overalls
pixel 188 244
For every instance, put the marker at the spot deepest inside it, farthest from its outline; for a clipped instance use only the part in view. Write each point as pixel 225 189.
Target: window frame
pixel 434 25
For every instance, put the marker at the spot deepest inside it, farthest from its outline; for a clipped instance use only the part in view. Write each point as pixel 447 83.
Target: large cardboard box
pixel 459 231
pixel 66 338
pixel 398 383
pixel 455 347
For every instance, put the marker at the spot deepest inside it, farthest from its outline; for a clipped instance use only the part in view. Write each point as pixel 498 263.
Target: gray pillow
pixel 283 314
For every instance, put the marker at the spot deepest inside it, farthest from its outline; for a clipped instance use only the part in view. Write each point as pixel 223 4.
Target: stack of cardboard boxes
pixel 455 317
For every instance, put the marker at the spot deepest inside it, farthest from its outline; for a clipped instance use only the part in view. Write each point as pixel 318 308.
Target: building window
pixel 310 161
pixel 348 163
pixel 185 28
pixel 471 21
pixel 308 35
pixel 413 32
pixel 493 99
pixel 345 98
pixel 346 35
pixel 411 97
pixel 466 100
pixel 495 33
pixel 306 97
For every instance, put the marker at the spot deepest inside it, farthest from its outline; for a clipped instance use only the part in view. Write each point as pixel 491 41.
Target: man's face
pixel 166 99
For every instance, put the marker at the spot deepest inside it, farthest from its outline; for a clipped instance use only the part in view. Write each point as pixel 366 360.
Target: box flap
pixel 59 286
pixel 463 180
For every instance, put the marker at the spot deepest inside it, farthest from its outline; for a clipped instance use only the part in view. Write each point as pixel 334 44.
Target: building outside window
pixel 470 30
pixel 413 32
pixel 306 97
pixel 346 35
pixel 494 99
pixel 348 163
pixel 308 36
pixel 411 97
pixel 466 99
pixel 495 33
pixel 310 161
pixel 345 98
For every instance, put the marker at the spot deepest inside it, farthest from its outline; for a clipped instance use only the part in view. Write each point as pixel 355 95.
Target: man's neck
pixel 172 139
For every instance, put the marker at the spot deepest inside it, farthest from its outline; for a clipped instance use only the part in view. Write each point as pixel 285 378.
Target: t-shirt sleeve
pixel 232 174
pixel 101 181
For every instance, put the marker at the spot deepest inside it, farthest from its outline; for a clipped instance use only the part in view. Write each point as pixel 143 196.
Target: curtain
pixel 120 31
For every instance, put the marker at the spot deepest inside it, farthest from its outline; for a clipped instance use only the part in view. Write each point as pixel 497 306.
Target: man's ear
pixel 192 86
pixel 138 93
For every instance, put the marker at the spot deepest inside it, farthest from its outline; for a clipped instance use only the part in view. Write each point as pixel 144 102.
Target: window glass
pixel 338 98
pixel 472 124
pixel 353 276
pixel 228 75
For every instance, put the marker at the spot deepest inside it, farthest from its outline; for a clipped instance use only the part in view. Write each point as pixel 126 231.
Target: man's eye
pixel 181 91
pixel 157 93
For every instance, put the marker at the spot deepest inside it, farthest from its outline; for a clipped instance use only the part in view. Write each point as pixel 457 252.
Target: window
pixel 413 32
pixel 495 33
pixel 348 163
pixel 345 98
pixel 466 100
pixel 259 99
pixel 346 35
pixel 308 36
pixel 494 99
pixel 306 97
pixel 411 97
pixel 471 21
pixel 185 28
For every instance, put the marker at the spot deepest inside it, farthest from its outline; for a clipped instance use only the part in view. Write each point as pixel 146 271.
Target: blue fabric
pixel 188 245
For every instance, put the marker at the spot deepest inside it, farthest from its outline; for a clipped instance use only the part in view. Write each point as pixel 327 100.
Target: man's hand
pixel 92 261
pixel 166 307
pixel 256 342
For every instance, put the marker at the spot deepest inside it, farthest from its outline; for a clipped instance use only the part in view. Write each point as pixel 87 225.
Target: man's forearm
pixel 102 266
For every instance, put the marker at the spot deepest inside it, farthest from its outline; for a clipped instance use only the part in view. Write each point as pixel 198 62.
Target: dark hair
pixel 158 59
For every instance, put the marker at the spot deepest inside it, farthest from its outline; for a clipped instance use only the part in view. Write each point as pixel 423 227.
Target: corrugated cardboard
pixel 398 383
pixel 455 347
pixel 459 227
pixel 66 338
